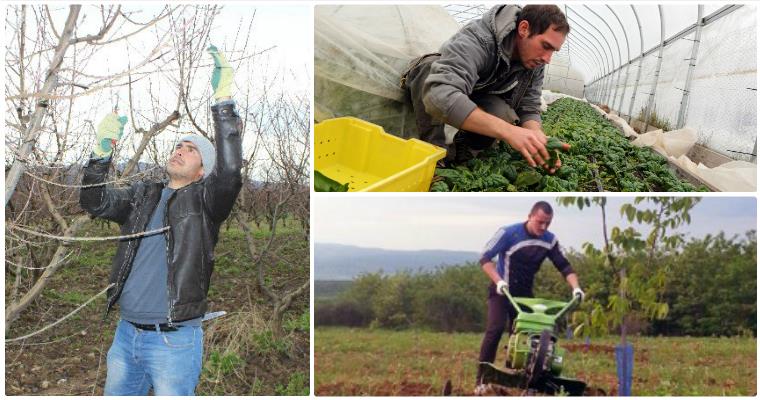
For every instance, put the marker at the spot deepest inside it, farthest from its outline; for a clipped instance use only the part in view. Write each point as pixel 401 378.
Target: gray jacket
pixel 476 60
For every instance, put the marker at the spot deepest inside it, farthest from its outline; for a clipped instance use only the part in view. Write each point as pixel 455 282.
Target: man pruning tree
pixel 521 249
pixel 161 280
pixel 486 81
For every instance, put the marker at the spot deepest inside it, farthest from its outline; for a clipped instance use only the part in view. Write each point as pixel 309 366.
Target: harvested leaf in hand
pixel 553 143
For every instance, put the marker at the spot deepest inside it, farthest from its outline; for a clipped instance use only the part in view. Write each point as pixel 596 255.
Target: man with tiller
pixel 486 81
pixel 161 280
pixel 521 249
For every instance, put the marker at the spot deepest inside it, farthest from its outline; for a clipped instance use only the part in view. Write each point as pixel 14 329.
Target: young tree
pixel 281 198
pixel 638 261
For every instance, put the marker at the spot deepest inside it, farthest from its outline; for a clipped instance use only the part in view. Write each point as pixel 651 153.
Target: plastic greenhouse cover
pixel 360 53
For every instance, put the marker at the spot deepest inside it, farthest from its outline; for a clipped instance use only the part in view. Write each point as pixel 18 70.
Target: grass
pixel 381 362
pixel 655 120
pixel 223 363
pixel 300 323
pixel 298 385
pixel 264 342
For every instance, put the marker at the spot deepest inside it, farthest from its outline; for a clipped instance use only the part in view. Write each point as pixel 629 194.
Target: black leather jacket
pixel 194 214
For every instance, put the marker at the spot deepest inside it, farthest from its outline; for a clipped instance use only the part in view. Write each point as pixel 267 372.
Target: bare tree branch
pixel 146 138
pixel 92 38
pixel 30 138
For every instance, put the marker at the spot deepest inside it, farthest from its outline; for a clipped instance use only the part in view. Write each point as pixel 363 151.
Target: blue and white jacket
pixel 521 255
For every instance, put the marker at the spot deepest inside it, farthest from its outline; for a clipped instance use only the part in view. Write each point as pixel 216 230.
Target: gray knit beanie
pixel 208 153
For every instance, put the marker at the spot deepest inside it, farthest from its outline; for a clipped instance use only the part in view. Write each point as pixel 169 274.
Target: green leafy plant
pixel 298 385
pixel 265 342
pixel 599 159
pixel 322 183
pixel 222 363
pixel 639 263
pixel 301 323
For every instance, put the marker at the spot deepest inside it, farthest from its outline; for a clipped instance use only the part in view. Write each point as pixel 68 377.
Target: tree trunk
pixel 275 321
pixel 51 82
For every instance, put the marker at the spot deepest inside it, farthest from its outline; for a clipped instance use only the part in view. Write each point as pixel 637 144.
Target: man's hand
pixel 530 143
pixel 502 287
pixel 221 80
pixel 578 291
pixel 109 131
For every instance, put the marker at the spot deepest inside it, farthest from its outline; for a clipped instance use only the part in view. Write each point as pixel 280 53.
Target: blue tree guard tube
pixel 624 359
pixel 588 343
pixel 569 333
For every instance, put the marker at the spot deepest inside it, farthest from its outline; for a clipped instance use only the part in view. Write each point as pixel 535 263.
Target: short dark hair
pixel 543 206
pixel 541 16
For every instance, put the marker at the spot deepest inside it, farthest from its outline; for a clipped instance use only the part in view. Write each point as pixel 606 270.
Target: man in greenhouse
pixel 486 81
pixel 161 272
pixel 521 249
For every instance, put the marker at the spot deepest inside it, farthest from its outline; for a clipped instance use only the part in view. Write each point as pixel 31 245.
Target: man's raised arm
pixel 223 184
pixel 102 201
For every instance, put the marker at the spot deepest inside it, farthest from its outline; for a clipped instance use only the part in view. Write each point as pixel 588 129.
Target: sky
pixel 467 222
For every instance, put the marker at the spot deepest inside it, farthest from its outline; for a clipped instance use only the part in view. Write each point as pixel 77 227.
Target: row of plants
pixel 599 159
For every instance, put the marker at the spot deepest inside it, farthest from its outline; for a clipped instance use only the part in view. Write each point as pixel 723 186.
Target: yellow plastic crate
pixel 350 150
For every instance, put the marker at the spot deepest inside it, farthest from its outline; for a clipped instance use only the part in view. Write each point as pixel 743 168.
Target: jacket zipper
pixel 169 251
pixel 169 247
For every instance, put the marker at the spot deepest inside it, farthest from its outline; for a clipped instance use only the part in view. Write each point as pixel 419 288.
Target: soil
pixel 640 355
pixel 404 388
pixel 69 359
pixel 407 388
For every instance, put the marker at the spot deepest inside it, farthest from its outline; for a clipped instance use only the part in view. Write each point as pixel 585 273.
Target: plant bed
pixel 600 159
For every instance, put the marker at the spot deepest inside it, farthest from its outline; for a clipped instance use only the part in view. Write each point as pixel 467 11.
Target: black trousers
pixel 501 314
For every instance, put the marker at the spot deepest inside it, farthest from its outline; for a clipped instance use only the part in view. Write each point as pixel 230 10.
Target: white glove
pixel 501 287
pixel 578 291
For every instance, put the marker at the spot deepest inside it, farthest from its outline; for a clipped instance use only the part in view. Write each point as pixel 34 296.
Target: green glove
pixel 109 131
pixel 221 80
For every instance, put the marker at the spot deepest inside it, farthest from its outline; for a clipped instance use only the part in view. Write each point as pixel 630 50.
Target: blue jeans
pixel 170 362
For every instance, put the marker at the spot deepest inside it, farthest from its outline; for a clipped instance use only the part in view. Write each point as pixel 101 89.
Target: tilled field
pixel 363 362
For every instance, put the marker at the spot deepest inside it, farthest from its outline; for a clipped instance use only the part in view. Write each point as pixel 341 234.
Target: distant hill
pixel 335 262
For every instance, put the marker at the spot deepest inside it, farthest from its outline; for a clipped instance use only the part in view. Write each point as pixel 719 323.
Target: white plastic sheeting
pixel 723 105
pixel 360 53
pixel 560 76
pixel 722 97
pixel 672 143
pixel 733 176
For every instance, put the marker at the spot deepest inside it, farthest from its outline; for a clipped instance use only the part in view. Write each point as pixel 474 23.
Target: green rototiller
pixel 534 358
